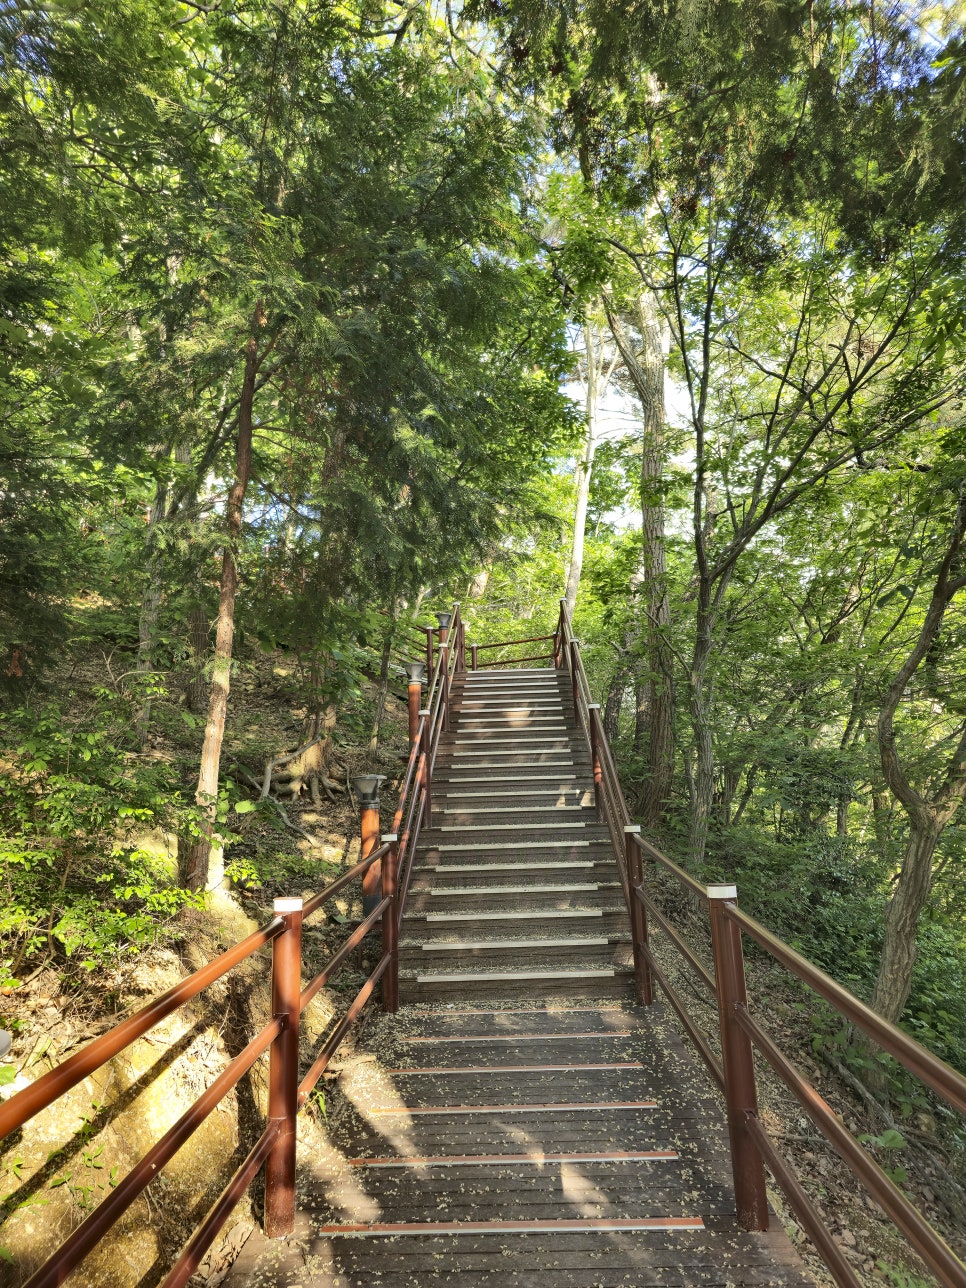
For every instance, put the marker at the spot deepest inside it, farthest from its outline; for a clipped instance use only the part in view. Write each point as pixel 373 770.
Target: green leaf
pixel 245 807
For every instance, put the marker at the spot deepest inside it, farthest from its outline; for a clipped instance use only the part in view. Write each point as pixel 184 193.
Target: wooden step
pixel 582 982
pixel 497 875
pixel 509 923
pixel 511 954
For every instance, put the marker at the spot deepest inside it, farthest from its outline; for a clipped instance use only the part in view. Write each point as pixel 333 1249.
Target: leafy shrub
pixel 77 885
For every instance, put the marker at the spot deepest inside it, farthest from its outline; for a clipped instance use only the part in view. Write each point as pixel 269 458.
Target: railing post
pixel 593 716
pixel 558 639
pixel 574 680
pixel 639 932
pixel 473 653
pixel 426 773
pixel 367 789
pixel 283 1071
pixel 430 632
pixel 390 924
pixel 444 619
pixel 415 672
pixel 738 1060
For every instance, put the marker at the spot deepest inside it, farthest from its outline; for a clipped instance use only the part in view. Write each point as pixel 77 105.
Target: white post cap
pixel 389 838
pixel 287 905
pixel 722 892
pixel 633 827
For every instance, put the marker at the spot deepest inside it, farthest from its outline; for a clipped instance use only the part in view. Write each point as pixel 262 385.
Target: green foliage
pixel 77 883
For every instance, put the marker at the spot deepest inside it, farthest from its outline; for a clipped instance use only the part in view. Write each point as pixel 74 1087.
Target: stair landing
pixel 560 1146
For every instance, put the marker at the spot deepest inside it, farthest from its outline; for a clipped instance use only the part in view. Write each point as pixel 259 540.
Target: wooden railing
pixel 739 1033
pixel 275 1148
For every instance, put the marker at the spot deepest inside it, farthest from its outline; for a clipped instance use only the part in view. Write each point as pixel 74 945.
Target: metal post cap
pixel 444 620
pixel 415 672
pixel 366 787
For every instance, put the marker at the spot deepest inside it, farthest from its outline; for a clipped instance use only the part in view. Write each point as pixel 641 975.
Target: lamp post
pixel 416 675
pixel 444 620
pixel 366 788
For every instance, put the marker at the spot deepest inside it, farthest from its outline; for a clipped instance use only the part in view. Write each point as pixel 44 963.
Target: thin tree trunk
pixel 196 693
pixel 150 608
pixel 614 702
pixel 898 959
pixel 383 685
pixel 646 370
pixel 928 816
pixel 642 714
pixel 585 469
pixel 599 373
pixel 201 871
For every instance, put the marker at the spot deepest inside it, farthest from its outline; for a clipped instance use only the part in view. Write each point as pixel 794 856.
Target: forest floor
pixel 58 1008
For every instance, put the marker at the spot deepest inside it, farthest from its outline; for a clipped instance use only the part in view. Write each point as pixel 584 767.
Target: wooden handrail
pixel 936 1073
pixel 276 1146
pixel 752 1148
pixel 532 639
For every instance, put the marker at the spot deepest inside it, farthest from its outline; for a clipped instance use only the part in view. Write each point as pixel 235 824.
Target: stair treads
pixel 522 1037
pixel 448 868
pixel 518 1160
pixel 515 778
pixel 502 945
pixel 509 827
pixel 507 809
pixel 498 1012
pixel 512 915
pixel 490 1069
pixel 569 843
pixel 520 722
pixel 563 1107
pixel 392 1229
pixel 507 793
pixel 502 890
pixel 524 751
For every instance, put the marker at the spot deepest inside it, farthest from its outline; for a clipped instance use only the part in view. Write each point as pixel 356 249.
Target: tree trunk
pixel 614 702
pixel 584 473
pixel 196 690
pixel 927 815
pixel 894 979
pixel 699 703
pixel 383 686
pixel 646 370
pixel 150 608
pixel 205 866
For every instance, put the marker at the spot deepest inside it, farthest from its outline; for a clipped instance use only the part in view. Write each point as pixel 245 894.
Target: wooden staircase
pixel 515 891
pixel 528 1124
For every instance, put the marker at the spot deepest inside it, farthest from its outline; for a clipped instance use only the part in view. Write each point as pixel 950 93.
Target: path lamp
pixel 416 675
pixel 366 788
pixel 444 620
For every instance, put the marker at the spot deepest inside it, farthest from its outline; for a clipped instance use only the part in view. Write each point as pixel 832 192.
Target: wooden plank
pixel 583 1106
pixel 436 1228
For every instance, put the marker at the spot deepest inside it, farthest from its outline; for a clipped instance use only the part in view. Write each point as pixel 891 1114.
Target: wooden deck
pixel 526 1123
pixel 569 1146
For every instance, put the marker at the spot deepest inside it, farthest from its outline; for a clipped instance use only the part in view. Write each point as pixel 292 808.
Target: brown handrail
pixel 31 1100
pixel 515 661
pixel 332 1043
pixel 276 1146
pixel 751 1146
pixel 532 639
pixel 194 1250
pixel 802 1206
pixel 936 1073
pixel 79 1243
pixel 928 1243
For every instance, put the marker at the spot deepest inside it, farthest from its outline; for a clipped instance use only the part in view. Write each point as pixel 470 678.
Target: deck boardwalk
pixel 526 1123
